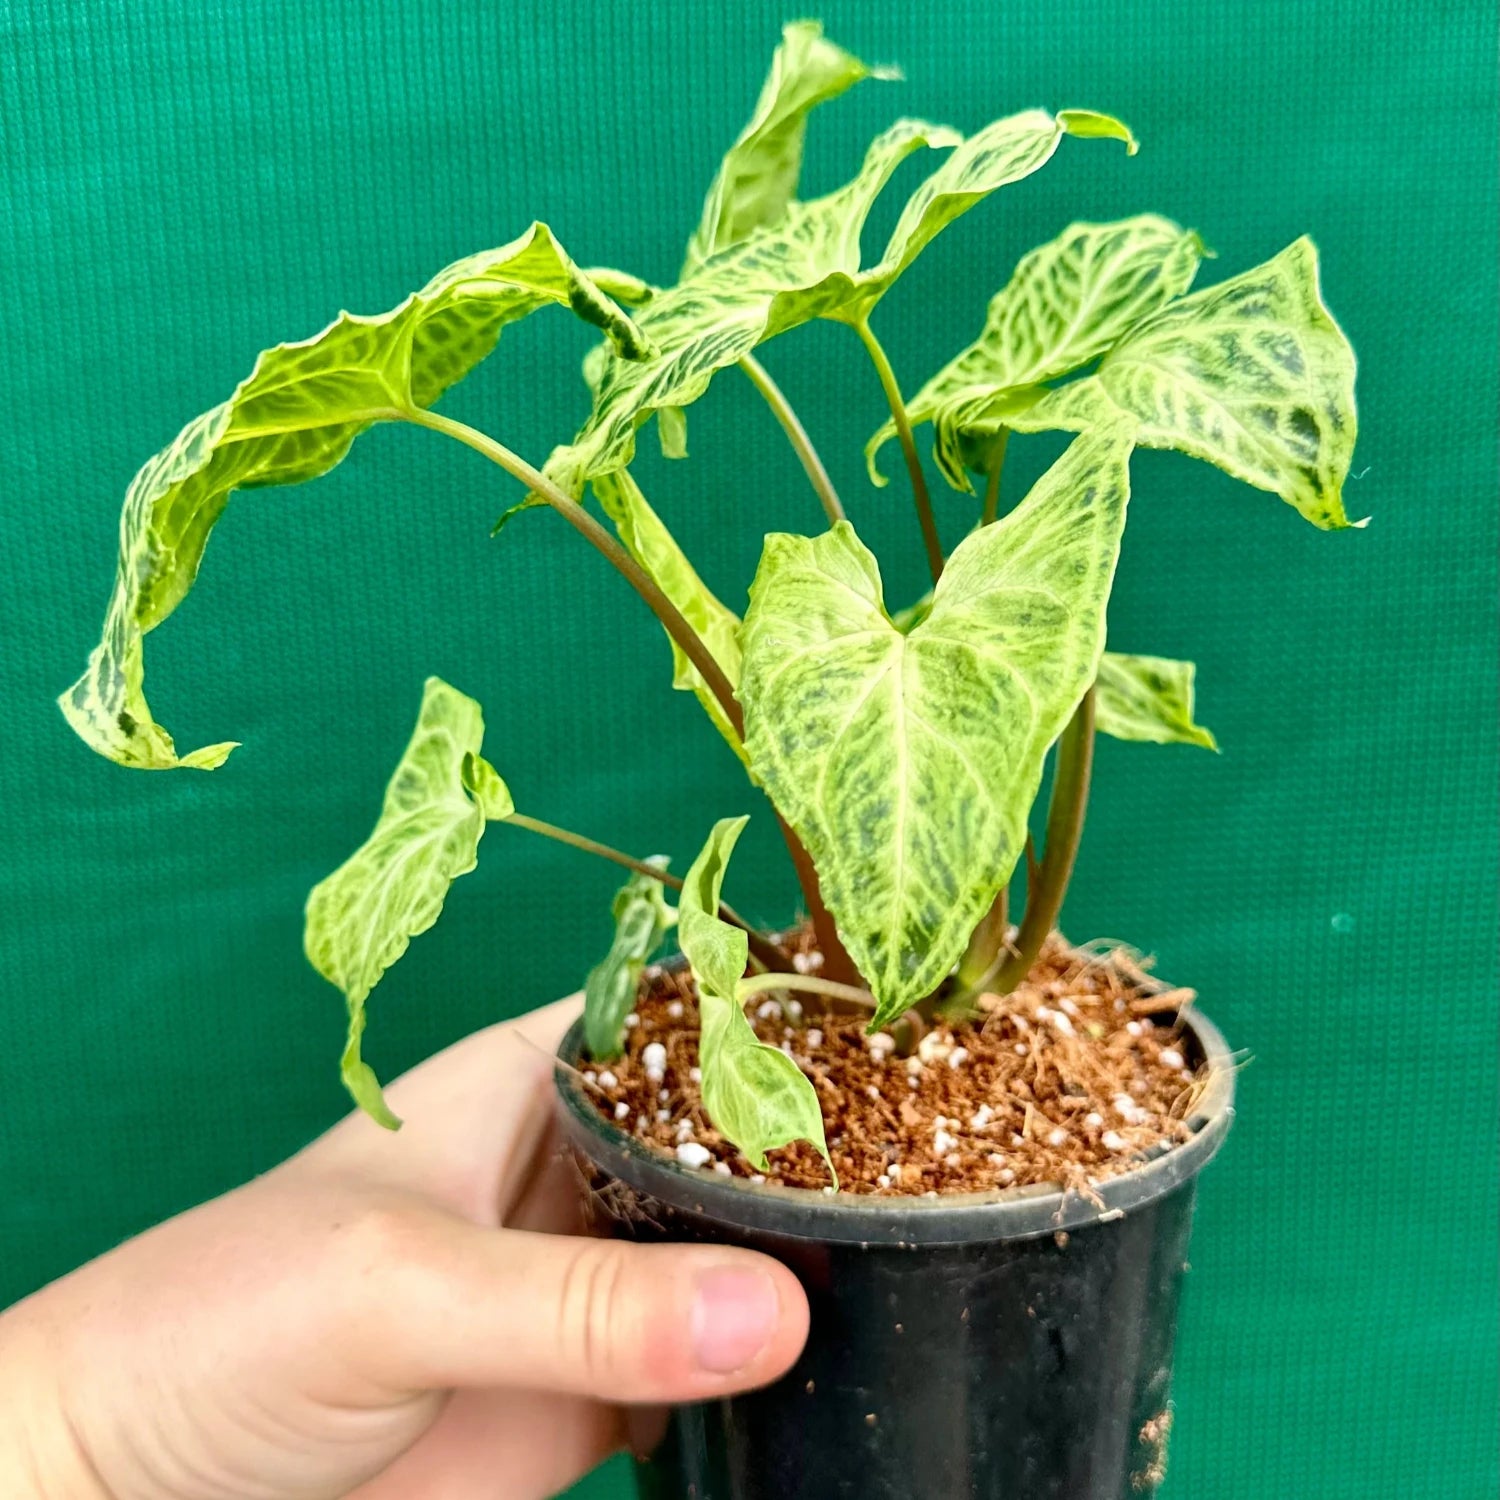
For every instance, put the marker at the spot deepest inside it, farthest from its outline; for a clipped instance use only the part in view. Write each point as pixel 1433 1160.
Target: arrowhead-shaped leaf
pixel 755 1094
pixel 907 763
pixel 805 266
pixel 1148 698
pixel 1065 304
pixel 759 175
pixel 653 547
pixel 642 920
pixel 293 419
pixel 1252 375
pixel 362 917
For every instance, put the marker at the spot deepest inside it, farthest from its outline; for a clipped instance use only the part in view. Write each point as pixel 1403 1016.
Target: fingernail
pixel 734 1316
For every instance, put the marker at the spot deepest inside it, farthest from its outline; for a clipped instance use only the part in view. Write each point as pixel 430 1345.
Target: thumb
pixel 451 1304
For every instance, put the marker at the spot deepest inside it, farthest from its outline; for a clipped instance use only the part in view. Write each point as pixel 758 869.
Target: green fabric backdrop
pixel 185 184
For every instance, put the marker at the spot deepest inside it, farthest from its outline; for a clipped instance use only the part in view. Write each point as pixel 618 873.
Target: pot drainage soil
pixel 1068 1080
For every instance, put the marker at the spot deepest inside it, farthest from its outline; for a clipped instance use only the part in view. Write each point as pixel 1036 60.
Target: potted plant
pixel 975 1143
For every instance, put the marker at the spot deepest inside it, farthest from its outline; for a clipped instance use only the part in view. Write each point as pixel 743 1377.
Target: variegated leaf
pixel 1001 153
pixel 907 763
pixel 758 177
pixel 806 266
pixel 642 920
pixel 293 419
pixel 1148 698
pixel 654 548
pixel 362 917
pixel 754 1094
pixel 1066 303
pixel 1254 376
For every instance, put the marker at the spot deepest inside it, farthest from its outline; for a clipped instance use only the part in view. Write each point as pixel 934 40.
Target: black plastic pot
pixel 1014 1345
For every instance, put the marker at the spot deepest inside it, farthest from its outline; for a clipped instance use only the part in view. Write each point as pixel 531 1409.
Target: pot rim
pixel 904 1221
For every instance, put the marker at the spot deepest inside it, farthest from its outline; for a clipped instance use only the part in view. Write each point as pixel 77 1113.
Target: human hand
pixel 383 1317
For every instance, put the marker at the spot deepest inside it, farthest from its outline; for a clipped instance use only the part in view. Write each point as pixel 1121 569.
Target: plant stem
pixel 813 985
pixel 1070 795
pixel 836 960
pixel 992 488
pixel 766 951
pixel 796 433
pixel 985 946
pixel 581 521
pixel 919 493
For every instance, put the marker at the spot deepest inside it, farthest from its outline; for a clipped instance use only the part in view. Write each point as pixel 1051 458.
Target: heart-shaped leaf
pixel 754 1094
pixel 1252 375
pixel 758 177
pixel 1065 304
pixel 654 548
pixel 362 917
pixel 907 763
pixel 642 920
pixel 293 419
pixel 805 266
pixel 1148 698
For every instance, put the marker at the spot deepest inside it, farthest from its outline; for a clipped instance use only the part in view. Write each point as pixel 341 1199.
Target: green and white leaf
pixel 361 919
pixel 805 266
pixel 642 920
pixel 907 763
pixel 650 543
pixel 671 431
pixel 1066 303
pixel 758 177
pixel 291 420
pixel 754 1094
pixel 1148 698
pixel 1252 375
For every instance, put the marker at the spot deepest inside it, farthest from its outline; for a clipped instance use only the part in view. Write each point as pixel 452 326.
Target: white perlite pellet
pixel 1128 1110
pixel 632 1021
pixel 663 1116
pixel 674 1009
pixel 692 1154
pixel 942 1143
pixel 881 1045
pixel 1057 1137
pixel 1056 1020
pixel 1112 1140
pixel 1172 1058
pixel 607 1080
pixel 933 1046
pixel 696 1074
pixel 767 1010
pixel 814 1037
pixel 802 963
pixel 723 1169
pixel 654 1059
pixel 622 1110
pixel 957 1057
pixel 981 1117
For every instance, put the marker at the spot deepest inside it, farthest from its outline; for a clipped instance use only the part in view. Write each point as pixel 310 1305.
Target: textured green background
pixel 186 184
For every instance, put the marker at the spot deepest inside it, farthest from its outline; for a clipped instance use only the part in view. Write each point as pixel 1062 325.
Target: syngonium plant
pixel 902 751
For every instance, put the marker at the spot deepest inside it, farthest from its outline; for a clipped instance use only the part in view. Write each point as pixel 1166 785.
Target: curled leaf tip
pixel 1089 124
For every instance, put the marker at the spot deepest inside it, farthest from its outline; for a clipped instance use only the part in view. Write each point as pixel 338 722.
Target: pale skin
pixel 384 1317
